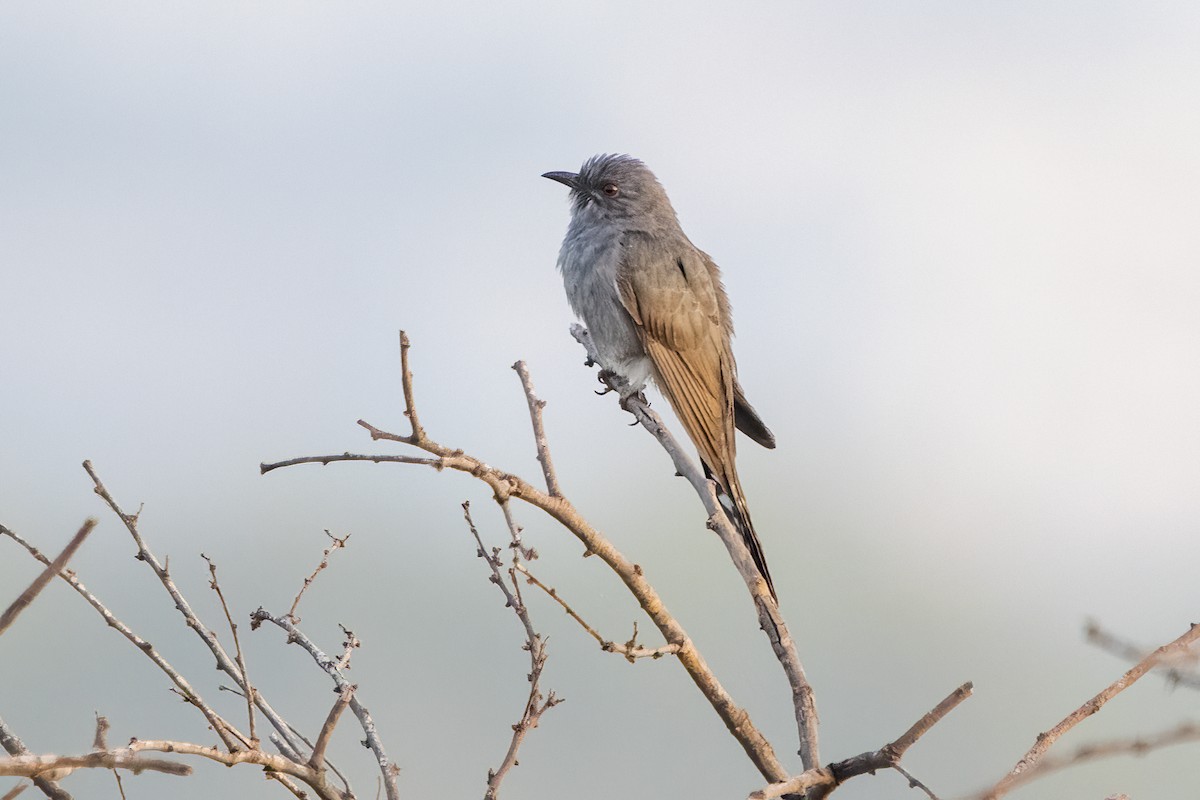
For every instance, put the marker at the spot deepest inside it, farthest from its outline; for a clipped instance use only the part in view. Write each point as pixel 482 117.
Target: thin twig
pixel 410 406
pixel 40 582
pixel 100 740
pixel 914 783
pixel 351 644
pixel 215 585
pixel 535 707
pixel 12 793
pixel 630 650
pixel 1140 746
pixel 1176 674
pixel 337 545
pixel 295 636
pixel 539 431
pixel 1045 740
pixel 228 733
pixel 317 760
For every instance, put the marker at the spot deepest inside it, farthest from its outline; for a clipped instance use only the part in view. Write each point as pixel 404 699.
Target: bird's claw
pixel 605 376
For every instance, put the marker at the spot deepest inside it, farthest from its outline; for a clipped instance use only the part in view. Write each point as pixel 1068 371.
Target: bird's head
pixel 616 187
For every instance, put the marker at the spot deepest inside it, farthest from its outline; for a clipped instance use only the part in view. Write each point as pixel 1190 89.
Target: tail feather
pixel 734 503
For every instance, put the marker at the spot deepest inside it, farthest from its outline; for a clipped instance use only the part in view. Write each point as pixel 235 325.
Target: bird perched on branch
pixel 655 307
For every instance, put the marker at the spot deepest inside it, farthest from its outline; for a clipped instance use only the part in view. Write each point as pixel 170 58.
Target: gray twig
pixel 250 692
pixel 337 545
pixel 330 667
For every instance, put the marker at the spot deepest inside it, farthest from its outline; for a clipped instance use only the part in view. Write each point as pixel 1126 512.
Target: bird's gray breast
pixel 590 257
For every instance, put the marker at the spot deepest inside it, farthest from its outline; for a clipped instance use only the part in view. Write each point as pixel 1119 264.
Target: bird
pixel 656 310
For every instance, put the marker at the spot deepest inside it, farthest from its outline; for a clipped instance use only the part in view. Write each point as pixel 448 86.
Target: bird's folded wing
pixel 671 296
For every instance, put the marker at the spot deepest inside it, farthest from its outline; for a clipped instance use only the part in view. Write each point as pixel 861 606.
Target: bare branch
pixel 1045 740
pixel 21 603
pixel 630 650
pixel 295 636
pixel 215 585
pixel 337 545
pixel 539 432
pixel 12 793
pixel 769 617
pixel 317 760
pixel 1140 746
pixel 1180 673
pixel 224 662
pixel 13 745
pixel 534 643
pixel 279 767
pixel 410 406
pixel 229 735
pixel 825 779
pixel 30 766
pixel 506 485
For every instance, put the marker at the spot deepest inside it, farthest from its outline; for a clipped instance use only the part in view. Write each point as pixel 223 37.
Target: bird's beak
pixel 565 178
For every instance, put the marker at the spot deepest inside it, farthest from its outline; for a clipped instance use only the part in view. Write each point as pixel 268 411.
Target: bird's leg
pixel 615 382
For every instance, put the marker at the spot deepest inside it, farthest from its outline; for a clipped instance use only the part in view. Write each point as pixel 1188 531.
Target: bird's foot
pixel 629 398
pixel 608 378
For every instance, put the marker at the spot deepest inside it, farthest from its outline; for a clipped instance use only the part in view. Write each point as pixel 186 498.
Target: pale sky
pixel 961 245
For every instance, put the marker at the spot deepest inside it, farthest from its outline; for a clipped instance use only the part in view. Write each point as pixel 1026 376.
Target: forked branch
pixel 505 485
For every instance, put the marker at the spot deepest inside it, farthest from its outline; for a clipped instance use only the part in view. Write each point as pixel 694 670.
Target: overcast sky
pixel 962 247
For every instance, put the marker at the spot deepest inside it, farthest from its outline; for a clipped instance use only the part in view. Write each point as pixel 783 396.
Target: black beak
pixel 565 178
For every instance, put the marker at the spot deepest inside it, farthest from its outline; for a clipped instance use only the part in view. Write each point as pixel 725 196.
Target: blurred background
pixel 961 245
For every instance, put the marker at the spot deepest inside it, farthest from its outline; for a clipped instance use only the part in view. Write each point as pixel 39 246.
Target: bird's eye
pixel 611 189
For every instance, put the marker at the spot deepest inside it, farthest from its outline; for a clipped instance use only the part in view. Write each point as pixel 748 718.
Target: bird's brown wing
pixel 677 301
pixel 671 296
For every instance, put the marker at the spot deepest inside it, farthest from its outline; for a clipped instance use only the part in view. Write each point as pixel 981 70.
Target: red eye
pixel 611 189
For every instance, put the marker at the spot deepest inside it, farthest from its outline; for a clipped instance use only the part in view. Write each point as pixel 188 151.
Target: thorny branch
pixel 535 706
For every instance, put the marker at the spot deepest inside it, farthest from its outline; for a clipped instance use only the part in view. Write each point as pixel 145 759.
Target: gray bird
pixel 656 308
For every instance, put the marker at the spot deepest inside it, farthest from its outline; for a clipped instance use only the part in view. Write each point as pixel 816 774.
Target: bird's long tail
pixel 733 500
